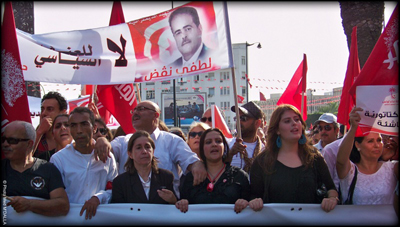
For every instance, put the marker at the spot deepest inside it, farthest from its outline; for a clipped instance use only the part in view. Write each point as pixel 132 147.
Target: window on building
pixel 211 75
pixel 150 94
pixel 228 90
pixel 211 91
pixel 243 91
pixel 243 60
pixel 244 75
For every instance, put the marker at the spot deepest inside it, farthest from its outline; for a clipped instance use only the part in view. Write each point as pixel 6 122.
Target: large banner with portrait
pixel 187 40
pixel 190 107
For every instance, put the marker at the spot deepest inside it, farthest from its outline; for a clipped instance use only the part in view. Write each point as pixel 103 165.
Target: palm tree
pixel 369 19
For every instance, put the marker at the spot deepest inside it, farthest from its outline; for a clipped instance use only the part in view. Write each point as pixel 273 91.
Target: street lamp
pixel 247 66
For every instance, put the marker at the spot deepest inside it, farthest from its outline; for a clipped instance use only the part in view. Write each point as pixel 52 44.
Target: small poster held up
pixel 380 106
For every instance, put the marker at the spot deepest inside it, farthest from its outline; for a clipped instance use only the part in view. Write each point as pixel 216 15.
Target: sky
pixel 286 31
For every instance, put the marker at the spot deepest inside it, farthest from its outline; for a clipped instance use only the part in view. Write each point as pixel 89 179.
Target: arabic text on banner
pixel 137 51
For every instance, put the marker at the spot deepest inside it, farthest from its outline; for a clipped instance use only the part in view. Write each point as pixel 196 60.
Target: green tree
pixel 330 108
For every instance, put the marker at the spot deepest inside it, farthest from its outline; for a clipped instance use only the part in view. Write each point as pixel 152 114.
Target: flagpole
pixel 138 92
pixel 239 133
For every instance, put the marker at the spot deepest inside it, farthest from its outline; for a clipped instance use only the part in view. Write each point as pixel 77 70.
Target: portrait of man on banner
pixel 187 31
pixel 181 41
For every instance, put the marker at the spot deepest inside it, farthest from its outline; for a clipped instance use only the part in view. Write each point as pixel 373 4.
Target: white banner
pixel 212 214
pixel 137 51
pixel 380 104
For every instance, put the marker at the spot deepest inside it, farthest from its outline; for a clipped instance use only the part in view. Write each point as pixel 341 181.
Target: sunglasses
pixel 204 119
pixel 11 140
pixel 326 127
pixel 193 134
pixel 141 109
pixel 242 118
pixel 102 131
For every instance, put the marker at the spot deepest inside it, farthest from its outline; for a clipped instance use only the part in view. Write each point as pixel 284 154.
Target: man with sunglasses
pixel 25 175
pixel 172 152
pixel 243 150
pixel 328 130
pixel 206 118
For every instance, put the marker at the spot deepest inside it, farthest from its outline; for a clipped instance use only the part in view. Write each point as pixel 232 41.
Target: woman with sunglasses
pixel 376 180
pixel 225 184
pixel 290 169
pixel 102 130
pixel 194 134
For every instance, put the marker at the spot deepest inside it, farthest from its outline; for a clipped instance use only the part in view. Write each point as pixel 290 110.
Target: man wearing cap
pixel 328 130
pixel 250 145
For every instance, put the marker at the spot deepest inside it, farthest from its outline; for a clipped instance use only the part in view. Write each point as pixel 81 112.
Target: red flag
pixel 82 101
pixel 248 81
pixel 382 66
pixel 240 99
pixel 295 88
pixel 219 122
pixel 120 100
pixel 262 97
pixel 14 100
pixel 110 95
pixel 347 101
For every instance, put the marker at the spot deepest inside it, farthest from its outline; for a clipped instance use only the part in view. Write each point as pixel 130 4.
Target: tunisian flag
pixel 240 99
pixel 14 101
pixel 118 99
pixel 382 66
pixel 296 87
pixel 262 97
pixel 347 101
pixel 219 122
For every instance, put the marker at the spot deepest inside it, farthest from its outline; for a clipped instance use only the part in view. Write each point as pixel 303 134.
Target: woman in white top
pixel 376 180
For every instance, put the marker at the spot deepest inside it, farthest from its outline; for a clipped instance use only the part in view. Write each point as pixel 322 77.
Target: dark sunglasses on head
pixel 11 140
pixel 326 127
pixel 141 109
pixel 193 134
pixel 102 131
pixel 242 118
pixel 204 119
pixel 316 132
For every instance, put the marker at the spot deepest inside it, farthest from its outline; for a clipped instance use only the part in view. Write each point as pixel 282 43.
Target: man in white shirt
pixel 172 152
pixel 328 130
pixel 85 178
pixel 330 152
pixel 250 145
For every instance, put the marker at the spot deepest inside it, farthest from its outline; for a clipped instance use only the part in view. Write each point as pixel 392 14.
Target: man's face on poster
pixel 187 35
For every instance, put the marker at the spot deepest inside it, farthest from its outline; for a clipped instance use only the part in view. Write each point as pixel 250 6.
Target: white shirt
pixel 330 152
pixel 84 178
pixel 171 151
pixel 319 147
pixel 371 189
pixel 193 58
pixel 236 160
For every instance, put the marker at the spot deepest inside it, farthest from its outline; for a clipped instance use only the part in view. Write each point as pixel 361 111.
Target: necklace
pixel 210 186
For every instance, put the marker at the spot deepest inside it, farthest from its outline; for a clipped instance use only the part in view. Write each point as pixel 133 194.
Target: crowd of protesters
pixel 75 158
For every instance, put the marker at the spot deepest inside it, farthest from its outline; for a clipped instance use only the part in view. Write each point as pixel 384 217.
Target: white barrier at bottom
pixel 212 214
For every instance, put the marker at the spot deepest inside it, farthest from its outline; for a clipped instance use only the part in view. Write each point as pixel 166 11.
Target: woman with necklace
pixel 143 181
pixel 225 184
